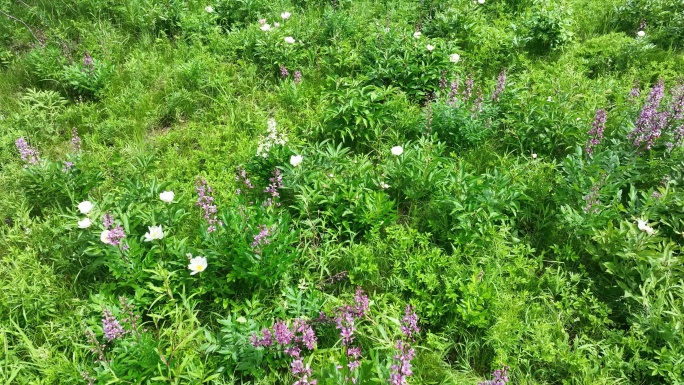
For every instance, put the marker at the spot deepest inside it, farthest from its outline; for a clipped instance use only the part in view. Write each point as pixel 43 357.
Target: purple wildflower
pixel 677 103
pixel 111 326
pixel 650 124
pixel 28 154
pixel 453 93
pixel 468 92
pixel 95 347
pixel 116 235
pixel 88 62
pixel 75 140
pixel 284 72
pixel 276 183
pixel 500 85
pixel 261 238
pixel 477 105
pixel 500 377
pixel 206 202
pixel 290 339
pixel 67 166
pixel 401 368
pixel 656 195
pixel 679 135
pixel 242 175
pixel 297 77
pixel 86 376
pixel 409 323
pixel 596 132
pixel 634 93
pixel 443 82
pixel 108 220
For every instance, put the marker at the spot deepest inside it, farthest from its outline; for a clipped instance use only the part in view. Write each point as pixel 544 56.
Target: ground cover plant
pixel 341 192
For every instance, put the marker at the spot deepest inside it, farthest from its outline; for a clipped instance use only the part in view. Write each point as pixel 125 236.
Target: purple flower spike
pixel 596 132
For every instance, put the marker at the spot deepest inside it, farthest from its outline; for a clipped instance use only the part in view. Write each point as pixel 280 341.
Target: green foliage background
pixel 480 224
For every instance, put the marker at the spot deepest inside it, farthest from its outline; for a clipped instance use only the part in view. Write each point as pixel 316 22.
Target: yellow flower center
pixel 199 267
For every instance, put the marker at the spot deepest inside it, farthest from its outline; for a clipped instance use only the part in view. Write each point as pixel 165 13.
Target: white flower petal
pixel 85 207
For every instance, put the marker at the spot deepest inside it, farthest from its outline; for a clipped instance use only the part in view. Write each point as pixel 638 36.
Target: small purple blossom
pixel 290 339
pixel 95 346
pixel 75 140
pixel 453 93
pixel 242 176
pixel 500 85
pixel 116 235
pixel 206 202
pixel 67 166
pixel 284 72
pixel 477 105
pixel 261 238
pixel 111 326
pixel 108 220
pixel 499 377
pixel 88 62
pixel 401 369
pixel 650 123
pixel 468 92
pixel 409 323
pixel 634 93
pixel 276 183
pixel 596 132
pixel 28 154
pixel 297 77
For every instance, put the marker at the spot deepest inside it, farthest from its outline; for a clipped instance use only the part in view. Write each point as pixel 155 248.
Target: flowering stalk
pixel 206 202
pixel 261 238
pixel 75 140
pixel 650 124
pixel 596 132
pixel 276 183
pixel 28 154
pixel 401 369
pixel 111 326
pixel 500 85
pixel 500 377
pixel 290 340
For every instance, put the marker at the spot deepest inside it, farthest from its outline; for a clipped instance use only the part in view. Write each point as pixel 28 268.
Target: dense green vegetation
pixel 510 172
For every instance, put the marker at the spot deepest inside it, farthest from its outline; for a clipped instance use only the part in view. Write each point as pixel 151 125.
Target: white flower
pixel 454 58
pixel 384 185
pixel 104 237
pixel 84 223
pixel 155 232
pixel 285 15
pixel 262 21
pixel 296 160
pixel 549 99
pixel 641 33
pixel 266 27
pixel 397 150
pixel 290 39
pixel 534 156
pixel 481 1
pixel 209 9
pixel 645 227
pixel 197 265
pixel 430 47
pixel 167 196
pixel 417 34
pixel 276 25
pixel 85 207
